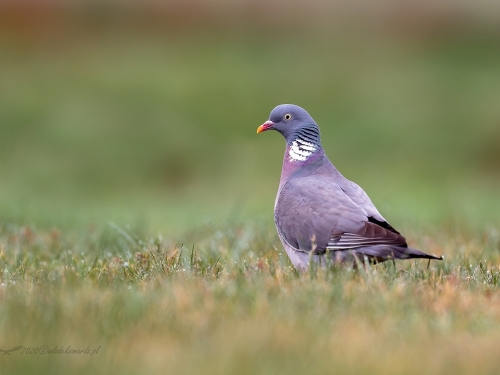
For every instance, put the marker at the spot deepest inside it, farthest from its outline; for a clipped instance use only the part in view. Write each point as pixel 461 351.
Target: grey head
pixel 294 123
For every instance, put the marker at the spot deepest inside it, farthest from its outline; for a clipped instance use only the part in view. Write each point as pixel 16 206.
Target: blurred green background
pixel 128 134
pixel 146 111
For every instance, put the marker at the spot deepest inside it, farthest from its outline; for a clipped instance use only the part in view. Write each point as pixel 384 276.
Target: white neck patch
pixel 300 150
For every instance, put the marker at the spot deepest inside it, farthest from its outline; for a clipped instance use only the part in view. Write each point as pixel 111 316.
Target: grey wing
pixel 314 214
pixel 358 196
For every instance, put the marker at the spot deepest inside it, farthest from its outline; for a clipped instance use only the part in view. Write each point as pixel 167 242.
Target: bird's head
pixel 292 122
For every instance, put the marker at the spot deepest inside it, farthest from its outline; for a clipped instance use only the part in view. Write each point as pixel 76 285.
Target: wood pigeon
pixel 319 214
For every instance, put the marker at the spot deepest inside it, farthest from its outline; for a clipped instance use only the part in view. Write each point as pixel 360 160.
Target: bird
pixel 320 215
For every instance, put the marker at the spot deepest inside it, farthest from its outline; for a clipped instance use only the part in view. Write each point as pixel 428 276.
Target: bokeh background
pixel 136 199
pixel 146 111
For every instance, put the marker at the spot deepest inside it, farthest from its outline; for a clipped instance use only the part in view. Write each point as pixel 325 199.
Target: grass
pixel 232 302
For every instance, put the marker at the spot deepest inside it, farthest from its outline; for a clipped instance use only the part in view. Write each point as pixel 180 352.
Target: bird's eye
pixel 287 116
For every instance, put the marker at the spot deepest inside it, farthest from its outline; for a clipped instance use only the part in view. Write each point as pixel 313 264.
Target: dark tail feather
pixel 385 252
pixel 414 253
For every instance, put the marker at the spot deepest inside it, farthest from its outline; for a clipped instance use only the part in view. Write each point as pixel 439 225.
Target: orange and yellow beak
pixel 265 126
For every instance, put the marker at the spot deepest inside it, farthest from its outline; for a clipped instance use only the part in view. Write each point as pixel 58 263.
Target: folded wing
pixel 317 214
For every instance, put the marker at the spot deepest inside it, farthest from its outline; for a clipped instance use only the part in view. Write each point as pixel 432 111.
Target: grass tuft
pixel 231 301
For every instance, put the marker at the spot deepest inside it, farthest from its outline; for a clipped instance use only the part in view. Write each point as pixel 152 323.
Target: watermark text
pixel 46 349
